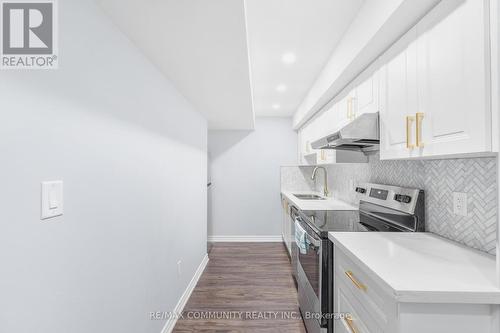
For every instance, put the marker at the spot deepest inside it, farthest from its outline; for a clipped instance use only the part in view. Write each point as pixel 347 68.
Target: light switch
pixel 52 199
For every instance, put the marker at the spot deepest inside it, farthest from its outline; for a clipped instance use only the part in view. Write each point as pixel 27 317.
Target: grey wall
pixel 439 179
pixel 245 169
pixel 132 154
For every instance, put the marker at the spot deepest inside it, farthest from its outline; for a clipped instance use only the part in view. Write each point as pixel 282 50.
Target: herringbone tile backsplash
pixel 439 179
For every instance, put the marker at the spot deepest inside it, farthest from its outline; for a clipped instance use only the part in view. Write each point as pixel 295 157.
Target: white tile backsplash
pixel 438 178
pixel 294 178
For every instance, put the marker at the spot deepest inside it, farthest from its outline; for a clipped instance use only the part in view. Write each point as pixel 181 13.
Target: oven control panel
pixel 360 190
pixel 400 198
pixel 379 193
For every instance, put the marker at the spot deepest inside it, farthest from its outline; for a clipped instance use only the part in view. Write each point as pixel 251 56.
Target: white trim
pixel 250 74
pixel 494 34
pixel 170 324
pixel 259 239
pixel 495 83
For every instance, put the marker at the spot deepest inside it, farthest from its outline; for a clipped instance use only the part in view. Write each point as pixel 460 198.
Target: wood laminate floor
pixel 248 283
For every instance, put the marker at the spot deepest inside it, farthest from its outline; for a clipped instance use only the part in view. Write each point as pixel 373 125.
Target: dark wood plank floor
pixel 245 281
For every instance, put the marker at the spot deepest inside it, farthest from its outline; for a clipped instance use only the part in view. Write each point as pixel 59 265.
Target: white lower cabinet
pixel 284 219
pixel 290 232
pixel 369 307
pixel 435 86
pixel 353 321
pixel 286 224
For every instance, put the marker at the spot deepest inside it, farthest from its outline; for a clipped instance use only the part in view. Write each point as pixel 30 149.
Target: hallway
pixel 246 287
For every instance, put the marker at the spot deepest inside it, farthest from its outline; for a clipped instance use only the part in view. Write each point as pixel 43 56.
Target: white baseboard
pixel 170 324
pixel 218 239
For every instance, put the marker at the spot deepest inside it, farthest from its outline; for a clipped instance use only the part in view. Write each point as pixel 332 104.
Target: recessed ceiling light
pixel 276 106
pixel 289 58
pixel 281 87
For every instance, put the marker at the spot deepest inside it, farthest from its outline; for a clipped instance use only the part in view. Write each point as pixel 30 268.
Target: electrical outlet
pixel 460 203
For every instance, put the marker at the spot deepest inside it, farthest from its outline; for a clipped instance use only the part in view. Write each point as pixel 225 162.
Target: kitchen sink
pixel 309 197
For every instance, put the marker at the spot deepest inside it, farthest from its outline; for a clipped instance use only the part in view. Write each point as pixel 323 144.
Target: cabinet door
pixel 328 121
pixel 321 125
pixel 286 224
pixel 326 156
pixel 366 94
pixel 290 235
pixel 453 79
pixel 345 109
pixel 287 231
pixel 283 218
pixel 398 98
pixel 299 146
pixel 307 155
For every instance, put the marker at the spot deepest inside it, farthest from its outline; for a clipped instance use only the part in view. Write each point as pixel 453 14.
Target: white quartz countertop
pixel 327 204
pixel 423 267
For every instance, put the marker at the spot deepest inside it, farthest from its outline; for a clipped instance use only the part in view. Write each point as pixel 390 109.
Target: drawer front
pixel 374 300
pixel 353 321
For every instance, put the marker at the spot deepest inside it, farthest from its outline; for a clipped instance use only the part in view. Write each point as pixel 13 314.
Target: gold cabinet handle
pixel 350 109
pixel 350 324
pixel 358 284
pixel 409 121
pixel 419 116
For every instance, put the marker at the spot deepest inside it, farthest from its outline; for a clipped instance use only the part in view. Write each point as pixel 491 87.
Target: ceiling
pixel 309 30
pixel 235 59
pixel 200 46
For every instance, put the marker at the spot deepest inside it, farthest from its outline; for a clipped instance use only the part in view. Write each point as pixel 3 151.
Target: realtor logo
pixel 29 39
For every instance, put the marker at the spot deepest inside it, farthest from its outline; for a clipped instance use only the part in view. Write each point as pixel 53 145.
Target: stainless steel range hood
pixel 362 135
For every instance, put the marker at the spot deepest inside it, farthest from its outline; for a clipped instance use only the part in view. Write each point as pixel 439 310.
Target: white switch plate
pixel 460 203
pixel 52 199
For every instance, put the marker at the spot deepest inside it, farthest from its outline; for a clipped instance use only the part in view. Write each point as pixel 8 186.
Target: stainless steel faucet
pixel 325 187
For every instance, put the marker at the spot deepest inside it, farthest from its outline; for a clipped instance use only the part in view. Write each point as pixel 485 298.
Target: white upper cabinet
pixel 307 156
pixel 365 95
pixel 326 123
pixel 334 117
pixel 435 92
pixel 346 111
pixel 453 67
pixel 398 98
pixel 432 89
pixel 361 96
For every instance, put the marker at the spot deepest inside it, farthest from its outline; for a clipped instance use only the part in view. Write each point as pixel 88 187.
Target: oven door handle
pixel 369 227
pixel 316 243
